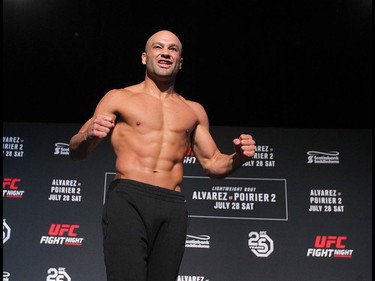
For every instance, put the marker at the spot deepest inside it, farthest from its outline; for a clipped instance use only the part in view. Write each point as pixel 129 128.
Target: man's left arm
pixel 213 161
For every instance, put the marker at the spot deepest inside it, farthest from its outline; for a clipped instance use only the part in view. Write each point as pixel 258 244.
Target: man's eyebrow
pixel 169 45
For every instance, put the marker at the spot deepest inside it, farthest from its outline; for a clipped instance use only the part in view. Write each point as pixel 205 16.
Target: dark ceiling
pixel 254 63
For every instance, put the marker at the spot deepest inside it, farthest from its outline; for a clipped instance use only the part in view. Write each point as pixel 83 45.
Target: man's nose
pixel 165 53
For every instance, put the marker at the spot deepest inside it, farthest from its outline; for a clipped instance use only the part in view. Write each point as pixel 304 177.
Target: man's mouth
pixel 164 63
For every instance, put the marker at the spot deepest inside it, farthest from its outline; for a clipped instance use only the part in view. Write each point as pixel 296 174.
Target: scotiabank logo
pixel 61 148
pixel 330 246
pixel 197 241
pixel 11 188
pixel 319 157
pixel 62 234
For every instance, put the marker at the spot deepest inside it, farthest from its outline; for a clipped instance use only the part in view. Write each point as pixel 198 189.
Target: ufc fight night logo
pixel 62 234
pixel 11 188
pixel 190 157
pixel 330 246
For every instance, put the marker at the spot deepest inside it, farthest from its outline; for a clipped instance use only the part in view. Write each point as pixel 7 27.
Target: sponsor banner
pixel 236 198
pixel 304 199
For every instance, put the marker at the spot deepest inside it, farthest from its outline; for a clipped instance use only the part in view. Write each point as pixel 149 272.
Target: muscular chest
pixel 170 115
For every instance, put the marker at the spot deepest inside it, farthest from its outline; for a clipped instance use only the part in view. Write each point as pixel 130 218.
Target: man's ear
pixel 143 58
pixel 181 61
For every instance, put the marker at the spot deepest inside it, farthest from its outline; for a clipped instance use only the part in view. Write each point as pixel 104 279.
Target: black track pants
pixel 144 228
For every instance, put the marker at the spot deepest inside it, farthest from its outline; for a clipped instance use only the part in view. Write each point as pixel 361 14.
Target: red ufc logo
pixel 61 229
pixel 190 152
pixel 323 241
pixel 11 182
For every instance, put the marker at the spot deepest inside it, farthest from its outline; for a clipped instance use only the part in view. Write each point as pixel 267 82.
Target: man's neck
pixel 159 88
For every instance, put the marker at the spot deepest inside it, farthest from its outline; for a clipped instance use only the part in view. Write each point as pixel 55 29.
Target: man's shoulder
pixel 192 102
pixel 129 90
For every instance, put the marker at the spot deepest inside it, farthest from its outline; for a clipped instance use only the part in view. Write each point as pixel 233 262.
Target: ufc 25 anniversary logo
pixel 57 274
pixel 6 232
pixel 260 243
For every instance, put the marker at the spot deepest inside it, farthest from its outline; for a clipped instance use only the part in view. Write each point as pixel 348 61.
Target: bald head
pixel 164 36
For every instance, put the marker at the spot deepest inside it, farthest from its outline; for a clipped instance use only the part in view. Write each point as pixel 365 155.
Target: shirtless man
pixel 151 128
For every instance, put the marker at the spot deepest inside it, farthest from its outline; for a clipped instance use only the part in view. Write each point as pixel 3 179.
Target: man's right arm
pixel 89 136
